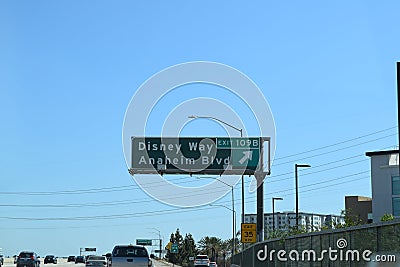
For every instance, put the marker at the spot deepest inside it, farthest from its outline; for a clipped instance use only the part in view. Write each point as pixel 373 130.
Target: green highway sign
pixel 201 155
pixel 144 242
pixel 174 248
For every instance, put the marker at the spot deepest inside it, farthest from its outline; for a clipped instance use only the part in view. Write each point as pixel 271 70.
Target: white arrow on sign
pixel 248 155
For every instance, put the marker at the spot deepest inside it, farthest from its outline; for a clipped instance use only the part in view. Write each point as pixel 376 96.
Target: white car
pixel 213 264
pixel 96 261
pixel 130 256
pixel 201 260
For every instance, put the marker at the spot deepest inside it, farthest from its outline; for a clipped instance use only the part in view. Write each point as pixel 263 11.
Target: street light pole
pixel 241 135
pixel 233 222
pixel 296 166
pixel 273 211
pixel 159 240
pixel 233 212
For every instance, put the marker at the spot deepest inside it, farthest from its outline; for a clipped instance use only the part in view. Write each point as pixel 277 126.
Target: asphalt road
pixel 162 264
pixel 64 263
pixel 61 263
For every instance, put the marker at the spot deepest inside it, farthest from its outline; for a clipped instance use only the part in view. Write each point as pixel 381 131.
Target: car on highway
pixel 213 264
pixel 108 256
pixel 50 259
pixel 28 259
pixel 201 260
pixel 80 259
pixel 130 256
pixel 1 260
pixel 87 256
pixel 96 261
pixel 71 258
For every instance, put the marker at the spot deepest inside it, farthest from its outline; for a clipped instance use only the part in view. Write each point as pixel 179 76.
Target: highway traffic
pixel 62 262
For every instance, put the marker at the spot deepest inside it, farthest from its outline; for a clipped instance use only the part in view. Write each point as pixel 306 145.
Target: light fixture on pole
pixel 241 135
pixel 216 119
pixel 296 166
pixel 273 211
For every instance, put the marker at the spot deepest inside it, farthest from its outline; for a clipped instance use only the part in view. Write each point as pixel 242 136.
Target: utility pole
pixel 273 211
pixel 398 103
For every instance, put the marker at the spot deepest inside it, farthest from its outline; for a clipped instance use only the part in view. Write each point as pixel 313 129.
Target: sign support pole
pixel 260 207
pixel 260 176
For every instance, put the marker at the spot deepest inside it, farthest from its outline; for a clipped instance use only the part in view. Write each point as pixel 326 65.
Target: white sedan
pixel 96 261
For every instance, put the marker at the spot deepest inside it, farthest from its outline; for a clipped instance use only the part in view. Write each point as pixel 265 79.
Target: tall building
pixel 385 182
pixel 287 219
pixel 359 208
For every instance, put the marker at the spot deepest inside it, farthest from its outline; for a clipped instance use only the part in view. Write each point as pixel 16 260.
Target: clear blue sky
pixel 68 70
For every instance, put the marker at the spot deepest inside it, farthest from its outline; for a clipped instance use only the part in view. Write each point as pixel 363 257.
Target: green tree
pixel 349 219
pixel 179 241
pixel 209 244
pixel 171 256
pixel 226 249
pixel 238 241
pixel 188 250
pixel 387 217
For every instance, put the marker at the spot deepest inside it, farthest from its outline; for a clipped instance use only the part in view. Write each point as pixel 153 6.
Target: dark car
pixel 71 258
pixel 28 259
pixel 80 259
pixel 1 260
pixel 50 259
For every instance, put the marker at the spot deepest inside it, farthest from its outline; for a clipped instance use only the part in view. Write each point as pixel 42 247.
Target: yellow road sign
pixel 168 246
pixel 249 233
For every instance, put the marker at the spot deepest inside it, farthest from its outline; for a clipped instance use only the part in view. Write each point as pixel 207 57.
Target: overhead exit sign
pixel 204 155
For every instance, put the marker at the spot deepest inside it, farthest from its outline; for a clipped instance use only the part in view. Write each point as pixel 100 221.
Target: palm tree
pixel 211 246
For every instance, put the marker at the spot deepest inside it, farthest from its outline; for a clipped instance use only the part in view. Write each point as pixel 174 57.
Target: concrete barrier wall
pixel 378 237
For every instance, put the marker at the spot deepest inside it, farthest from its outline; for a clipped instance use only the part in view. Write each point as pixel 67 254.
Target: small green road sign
pixel 174 248
pixel 144 242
